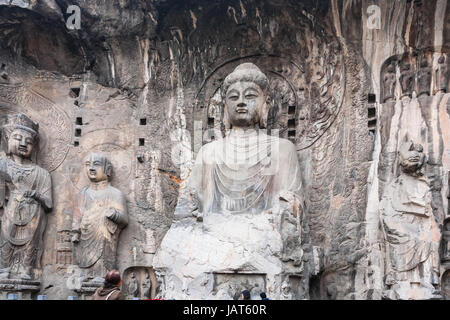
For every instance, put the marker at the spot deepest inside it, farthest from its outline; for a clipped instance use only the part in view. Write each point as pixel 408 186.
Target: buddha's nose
pixel 241 104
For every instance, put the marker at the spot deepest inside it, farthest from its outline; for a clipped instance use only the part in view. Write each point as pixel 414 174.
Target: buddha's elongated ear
pixel 226 117
pixel 263 113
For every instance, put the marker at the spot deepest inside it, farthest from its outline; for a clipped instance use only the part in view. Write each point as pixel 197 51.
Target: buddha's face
pixel 95 168
pixel 243 101
pixel 21 143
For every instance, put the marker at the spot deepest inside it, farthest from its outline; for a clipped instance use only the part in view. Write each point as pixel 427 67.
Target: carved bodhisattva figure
pixel 25 203
pixel 99 216
pixel 241 211
pixel 411 233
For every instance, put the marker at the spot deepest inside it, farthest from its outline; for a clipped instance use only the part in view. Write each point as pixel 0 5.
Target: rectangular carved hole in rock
pixel 372 123
pixel 141 142
pixel 371 112
pixel 76 143
pixel 74 92
pixel 371 98
pixel 291 133
pixel 143 121
pixel 291 110
pixel 77 132
pixel 79 121
pixel 210 121
pixel 291 123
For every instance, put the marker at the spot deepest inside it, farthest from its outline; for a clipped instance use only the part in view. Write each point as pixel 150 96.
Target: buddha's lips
pixel 241 110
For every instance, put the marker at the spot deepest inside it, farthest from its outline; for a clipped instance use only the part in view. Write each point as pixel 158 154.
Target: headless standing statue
pixel 100 215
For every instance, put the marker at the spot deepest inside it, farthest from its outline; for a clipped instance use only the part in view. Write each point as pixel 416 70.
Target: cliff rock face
pixel 140 81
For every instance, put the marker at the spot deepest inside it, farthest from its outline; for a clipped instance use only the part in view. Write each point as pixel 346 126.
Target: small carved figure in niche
pixel 133 286
pixel 146 285
pixel 424 78
pixel 3 73
pixel 27 200
pixel 406 80
pixel 100 214
pixel 286 292
pixel 441 75
pixel 389 81
pixel 446 241
pixel 411 232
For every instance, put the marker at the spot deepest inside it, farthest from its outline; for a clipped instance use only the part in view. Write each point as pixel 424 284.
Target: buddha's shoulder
pixel 211 147
pixel 286 144
pixel 114 191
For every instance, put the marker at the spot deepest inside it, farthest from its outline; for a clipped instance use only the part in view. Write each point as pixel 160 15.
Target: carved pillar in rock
pixel 411 233
pixel 100 215
pixel 28 200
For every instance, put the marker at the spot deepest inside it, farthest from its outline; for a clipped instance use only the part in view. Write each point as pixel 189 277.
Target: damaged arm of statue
pixel 75 236
pixel 188 205
pixel 45 201
pixel 118 217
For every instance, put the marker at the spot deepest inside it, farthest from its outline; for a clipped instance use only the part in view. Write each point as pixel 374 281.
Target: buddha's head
pixel 244 92
pixel 412 158
pixel 21 135
pixel 98 167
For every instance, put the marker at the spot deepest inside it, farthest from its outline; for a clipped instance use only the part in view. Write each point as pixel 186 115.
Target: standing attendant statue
pixel 100 215
pixel 27 200
pixel 411 233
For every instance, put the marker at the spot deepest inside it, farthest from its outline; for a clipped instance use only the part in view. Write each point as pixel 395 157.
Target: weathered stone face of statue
pixel 411 232
pixel 98 168
pixel 100 215
pixel 21 143
pixel 412 158
pixel 239 198
pixel 30 196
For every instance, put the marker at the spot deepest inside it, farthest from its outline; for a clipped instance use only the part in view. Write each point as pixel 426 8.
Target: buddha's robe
pixel 24 219
pixel 235 187
pixel 244 173
pixel 99 234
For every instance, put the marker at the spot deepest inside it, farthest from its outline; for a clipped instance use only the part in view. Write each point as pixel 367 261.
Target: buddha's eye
pixel 29 141
pixel 250 96
pixel 17 137
pixel 233 97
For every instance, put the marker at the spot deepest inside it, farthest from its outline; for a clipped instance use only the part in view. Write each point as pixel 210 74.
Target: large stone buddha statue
pixel 241 213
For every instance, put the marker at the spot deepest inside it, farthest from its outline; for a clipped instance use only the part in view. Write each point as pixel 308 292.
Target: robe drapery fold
pixel 98 233
pixel 245 173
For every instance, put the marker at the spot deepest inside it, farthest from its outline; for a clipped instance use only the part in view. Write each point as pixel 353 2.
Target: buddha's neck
pixel 100 185
pixel 20 160
pixel 243 132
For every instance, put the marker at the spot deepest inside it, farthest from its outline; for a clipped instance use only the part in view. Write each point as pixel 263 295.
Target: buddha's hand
pixel 75 236
pixel 111 214
pixel 33 194
pixel 188 205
